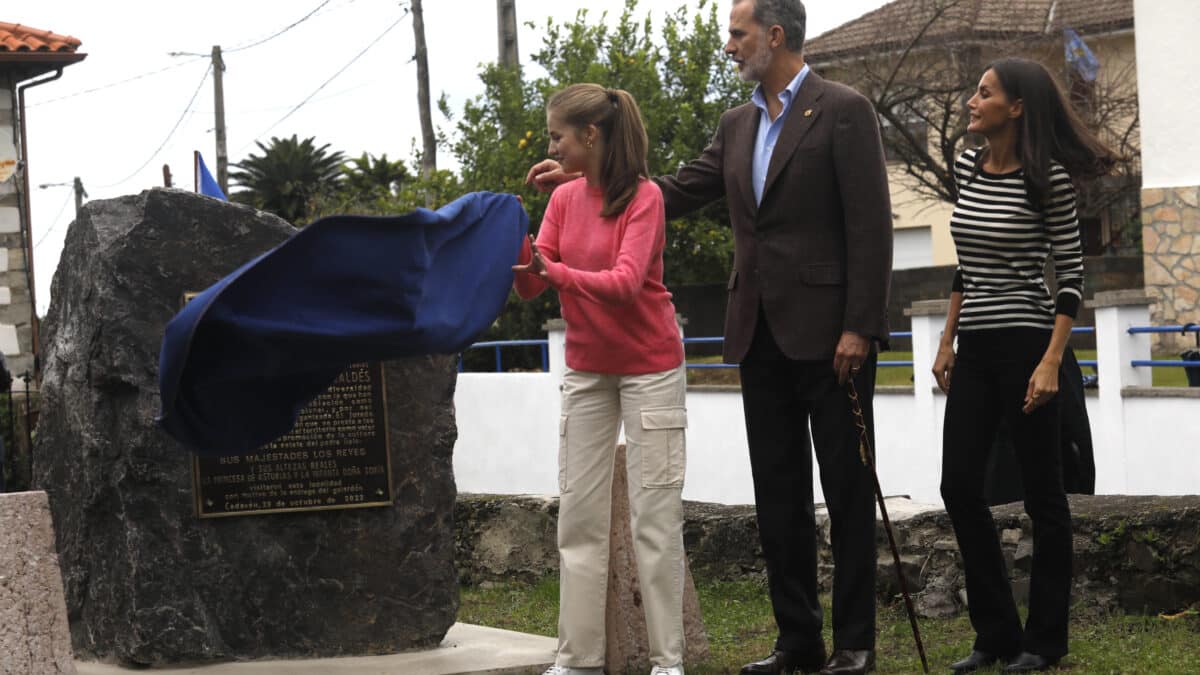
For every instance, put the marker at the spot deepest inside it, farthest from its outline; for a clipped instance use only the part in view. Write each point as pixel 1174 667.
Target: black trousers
pixel 991 374
pixel 782 397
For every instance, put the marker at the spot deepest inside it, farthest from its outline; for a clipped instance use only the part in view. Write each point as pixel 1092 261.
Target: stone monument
pixel 148 580
pixel 33 617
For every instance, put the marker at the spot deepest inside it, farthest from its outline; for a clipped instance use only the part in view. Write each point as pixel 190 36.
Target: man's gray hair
pixel 789 14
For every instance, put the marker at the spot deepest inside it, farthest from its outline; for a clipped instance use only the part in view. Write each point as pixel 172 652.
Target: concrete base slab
pixel 467 649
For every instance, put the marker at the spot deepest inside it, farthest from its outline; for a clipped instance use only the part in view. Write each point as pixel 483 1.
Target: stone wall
pixel 1139 554
pixel 1171 241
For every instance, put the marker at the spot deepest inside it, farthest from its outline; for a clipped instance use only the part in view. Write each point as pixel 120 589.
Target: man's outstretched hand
pixel 547 175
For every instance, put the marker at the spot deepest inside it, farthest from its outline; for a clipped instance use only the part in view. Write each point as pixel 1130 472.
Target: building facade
pixel 28 57
pixel 920 61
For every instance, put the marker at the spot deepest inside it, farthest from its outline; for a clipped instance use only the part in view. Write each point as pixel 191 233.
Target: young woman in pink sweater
pixel 601 247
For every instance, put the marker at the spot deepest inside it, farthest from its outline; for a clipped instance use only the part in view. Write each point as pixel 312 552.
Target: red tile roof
pixel 895 24
pixel 17 38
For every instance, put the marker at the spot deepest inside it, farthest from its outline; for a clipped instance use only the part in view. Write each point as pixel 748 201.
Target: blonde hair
pixel 616 115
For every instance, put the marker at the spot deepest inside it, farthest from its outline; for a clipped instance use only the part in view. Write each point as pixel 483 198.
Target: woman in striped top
pixel 1015 208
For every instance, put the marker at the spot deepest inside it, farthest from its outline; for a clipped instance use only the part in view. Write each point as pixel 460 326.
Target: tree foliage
pixel 681 81
pixel 287 176
pixel 682 84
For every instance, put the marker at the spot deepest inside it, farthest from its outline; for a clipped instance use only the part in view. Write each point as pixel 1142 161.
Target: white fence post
pixel 556 350
pixel 1116 311
pixel 928 322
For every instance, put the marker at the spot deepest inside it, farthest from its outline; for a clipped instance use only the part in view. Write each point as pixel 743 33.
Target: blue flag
pixel 1079 56
pixel 207 184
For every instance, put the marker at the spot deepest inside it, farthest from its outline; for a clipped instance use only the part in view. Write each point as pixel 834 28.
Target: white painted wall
pixel 508 428
pixel 10 219
pixel 1168 90
pixel 8 340
pixel 912 247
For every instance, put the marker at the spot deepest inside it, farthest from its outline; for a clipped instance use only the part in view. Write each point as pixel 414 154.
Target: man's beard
pixel 755 68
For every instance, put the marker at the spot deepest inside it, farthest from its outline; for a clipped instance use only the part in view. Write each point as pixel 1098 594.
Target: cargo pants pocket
pixel 664 452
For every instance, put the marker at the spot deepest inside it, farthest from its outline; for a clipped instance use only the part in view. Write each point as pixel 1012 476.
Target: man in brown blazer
pixel 802 169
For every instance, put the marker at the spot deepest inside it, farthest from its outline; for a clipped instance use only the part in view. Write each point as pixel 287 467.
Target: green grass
pixel 737 616
pixel 902 375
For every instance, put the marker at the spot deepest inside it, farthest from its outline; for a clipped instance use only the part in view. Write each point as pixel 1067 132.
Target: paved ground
pixel 466 649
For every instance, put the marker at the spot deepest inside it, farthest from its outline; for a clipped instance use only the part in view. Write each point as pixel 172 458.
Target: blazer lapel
pixel 746 130
pixel 803 113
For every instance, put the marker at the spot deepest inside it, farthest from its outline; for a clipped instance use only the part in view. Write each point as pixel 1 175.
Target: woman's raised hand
pixel 536 264
pixel 547 175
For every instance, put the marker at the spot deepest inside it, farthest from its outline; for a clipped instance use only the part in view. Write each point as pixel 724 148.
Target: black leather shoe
pixel 1027 662
pixel 974 662
pixel 850 662
pixel 787 663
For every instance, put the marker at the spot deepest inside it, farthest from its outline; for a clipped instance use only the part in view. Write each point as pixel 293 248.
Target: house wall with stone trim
pixel 1171 241
pixel 1168 95
pixel 16 312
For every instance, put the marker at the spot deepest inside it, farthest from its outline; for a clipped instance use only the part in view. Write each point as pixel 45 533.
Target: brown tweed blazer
pixel 817 253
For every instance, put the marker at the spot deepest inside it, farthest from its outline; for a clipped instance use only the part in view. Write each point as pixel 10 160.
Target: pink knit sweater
pixel 608 273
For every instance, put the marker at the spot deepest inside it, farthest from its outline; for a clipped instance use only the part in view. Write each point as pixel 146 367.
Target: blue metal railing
pixel 1183 330
pixel 498 344
pixel 718 340
pixel 1187 328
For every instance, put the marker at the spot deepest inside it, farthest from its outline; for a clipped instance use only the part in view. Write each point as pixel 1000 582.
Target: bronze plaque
pixel 336 457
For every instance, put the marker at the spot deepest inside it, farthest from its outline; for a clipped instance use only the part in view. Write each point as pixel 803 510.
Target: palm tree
pixel 287 175
pixel 369 177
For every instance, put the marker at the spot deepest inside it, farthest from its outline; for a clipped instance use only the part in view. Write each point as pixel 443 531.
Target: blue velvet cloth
pixel 243 357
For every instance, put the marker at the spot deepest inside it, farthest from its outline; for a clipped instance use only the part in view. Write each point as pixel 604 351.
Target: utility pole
pixel 80 194
pixel 429 155
pixel 506 24
pixel 218 68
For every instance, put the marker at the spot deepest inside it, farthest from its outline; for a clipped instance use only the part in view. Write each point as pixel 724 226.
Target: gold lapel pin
pixel 808 113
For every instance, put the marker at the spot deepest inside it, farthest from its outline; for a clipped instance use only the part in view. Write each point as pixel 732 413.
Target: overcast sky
pixel 115 132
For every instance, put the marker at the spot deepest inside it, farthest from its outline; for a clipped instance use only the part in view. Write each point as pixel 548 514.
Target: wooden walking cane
pixel 868 459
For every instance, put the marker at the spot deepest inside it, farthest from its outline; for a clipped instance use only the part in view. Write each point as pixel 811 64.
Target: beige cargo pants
pixel 594 407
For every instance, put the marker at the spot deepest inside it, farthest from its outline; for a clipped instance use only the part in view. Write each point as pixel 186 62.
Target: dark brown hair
pixel 1049 129
pixel 616 115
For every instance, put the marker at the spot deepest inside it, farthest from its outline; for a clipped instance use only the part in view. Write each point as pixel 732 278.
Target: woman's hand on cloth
pixel 1043 386
pixel 536 264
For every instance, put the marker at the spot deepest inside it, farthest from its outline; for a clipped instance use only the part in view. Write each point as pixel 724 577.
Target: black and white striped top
pixel 1002 244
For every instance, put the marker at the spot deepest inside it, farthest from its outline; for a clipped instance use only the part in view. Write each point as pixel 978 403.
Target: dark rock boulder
pixel 148 582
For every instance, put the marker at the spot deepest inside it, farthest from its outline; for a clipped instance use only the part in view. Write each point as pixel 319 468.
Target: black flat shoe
pixel 787 663
pixel 850 662
pixel 1027 662
pixel 974 662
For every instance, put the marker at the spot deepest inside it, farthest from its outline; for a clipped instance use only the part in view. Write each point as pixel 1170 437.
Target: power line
pixel 127 80
pixel 285 29
pixel 114 84
pixel 277 108
pixel 55 222
pixel 326 82
pixel 170 133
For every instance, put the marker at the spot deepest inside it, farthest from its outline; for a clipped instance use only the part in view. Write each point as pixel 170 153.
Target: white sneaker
pixel 567 670
pixel 665 670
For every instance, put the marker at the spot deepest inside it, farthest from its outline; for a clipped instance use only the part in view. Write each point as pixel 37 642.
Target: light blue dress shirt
pixel 768 131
